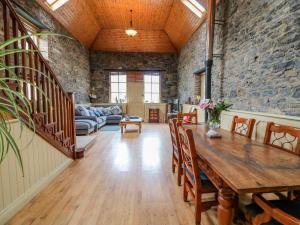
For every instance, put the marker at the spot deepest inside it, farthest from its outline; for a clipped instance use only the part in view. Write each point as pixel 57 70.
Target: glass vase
pixel 214 123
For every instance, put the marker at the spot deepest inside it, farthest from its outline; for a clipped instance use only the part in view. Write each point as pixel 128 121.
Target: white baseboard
pixel 7 213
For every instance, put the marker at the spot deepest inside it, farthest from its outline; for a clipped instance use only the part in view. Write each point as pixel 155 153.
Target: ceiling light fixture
pixel 55 4
pixel 194 6
pixel 130 31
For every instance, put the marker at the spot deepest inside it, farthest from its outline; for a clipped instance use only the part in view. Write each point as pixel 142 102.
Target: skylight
pixel 55 4
pixel 194 6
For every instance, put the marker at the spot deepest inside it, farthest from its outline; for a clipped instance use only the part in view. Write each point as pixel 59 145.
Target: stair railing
pixel 53 108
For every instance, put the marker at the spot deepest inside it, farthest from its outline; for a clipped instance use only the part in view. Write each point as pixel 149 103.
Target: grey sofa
pixel 85 127
pixel 87 121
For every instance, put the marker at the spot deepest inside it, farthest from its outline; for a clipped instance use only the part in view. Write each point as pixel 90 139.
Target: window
pixel 194 6
pixel 152 88
pixel 118 87
pixel 55 4
pixel 40 41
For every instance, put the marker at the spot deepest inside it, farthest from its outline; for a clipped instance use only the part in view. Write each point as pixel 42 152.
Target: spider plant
pixel 14 103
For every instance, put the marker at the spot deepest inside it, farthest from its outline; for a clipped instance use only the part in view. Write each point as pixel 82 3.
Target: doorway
pixel 135 94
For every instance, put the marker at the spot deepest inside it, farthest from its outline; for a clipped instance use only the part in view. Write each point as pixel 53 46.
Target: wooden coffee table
pixel 132 121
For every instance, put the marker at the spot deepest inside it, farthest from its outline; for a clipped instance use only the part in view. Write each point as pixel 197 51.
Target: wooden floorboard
pixel 123 180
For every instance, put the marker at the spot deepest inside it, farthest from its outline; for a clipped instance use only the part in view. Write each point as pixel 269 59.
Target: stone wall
pixel 260 68
pixel 191 59
pixel 101 62
pixel 67 57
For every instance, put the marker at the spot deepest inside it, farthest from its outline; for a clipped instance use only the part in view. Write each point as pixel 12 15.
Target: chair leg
pixel 198 209
pixel 185 193
pixel 173 163
pixel 179 174
pixel 236 208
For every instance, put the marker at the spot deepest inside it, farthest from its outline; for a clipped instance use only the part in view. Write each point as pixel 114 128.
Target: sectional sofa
pixel 89 119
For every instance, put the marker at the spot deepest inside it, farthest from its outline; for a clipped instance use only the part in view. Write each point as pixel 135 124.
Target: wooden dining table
pixel 238 165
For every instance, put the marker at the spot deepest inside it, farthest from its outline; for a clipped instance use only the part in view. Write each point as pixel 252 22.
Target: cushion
pixel 77 112
pixel 116 110
pixel 83 111
pixel 94 112
pixel 290 207
pixel 187 119
pixel 205 182
pixel 84 124
pixel 100 110
pixel 107 111
pixel 114 117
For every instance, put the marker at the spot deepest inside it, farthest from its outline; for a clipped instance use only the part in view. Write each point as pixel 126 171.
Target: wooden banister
pixel 53 108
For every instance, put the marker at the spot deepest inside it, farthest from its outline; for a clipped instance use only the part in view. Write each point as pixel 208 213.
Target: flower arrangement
pixel 214 111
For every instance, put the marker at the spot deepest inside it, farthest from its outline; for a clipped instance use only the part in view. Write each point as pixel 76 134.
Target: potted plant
pixel 214 111
pixel 13 103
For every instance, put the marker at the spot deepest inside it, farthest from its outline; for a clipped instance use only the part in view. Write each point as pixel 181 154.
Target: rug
pixel 110 128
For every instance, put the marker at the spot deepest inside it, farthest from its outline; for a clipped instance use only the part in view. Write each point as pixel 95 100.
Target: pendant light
pixel 130 31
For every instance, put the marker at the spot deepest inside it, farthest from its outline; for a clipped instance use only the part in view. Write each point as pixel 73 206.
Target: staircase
pixel 53 108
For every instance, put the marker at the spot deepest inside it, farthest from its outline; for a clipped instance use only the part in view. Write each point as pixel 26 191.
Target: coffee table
pixel 131 121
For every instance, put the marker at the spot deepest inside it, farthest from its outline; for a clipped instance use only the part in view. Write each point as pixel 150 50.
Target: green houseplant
pixel 13 103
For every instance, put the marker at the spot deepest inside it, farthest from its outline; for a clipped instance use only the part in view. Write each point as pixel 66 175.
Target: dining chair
pixel 190 117
pixel 283 137
pixel 176 151
pixel 242 126
pixel 274 212
pixel 195 182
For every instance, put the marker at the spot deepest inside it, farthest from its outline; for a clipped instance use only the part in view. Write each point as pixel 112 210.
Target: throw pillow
pixel 94 111
pixel 100 111
pixel 107 111
pixel 77 112
pixel 187 119
pixel 116 110
pixel 83 111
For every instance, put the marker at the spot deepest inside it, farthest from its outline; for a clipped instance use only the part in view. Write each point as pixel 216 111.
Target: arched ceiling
pixel 163 25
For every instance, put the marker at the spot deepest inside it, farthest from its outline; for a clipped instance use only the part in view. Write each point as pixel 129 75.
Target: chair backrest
pixel 270 211
pixel 174 135
pixel 242 126
pixel 190 117
pixel 189 155
pixel 283 137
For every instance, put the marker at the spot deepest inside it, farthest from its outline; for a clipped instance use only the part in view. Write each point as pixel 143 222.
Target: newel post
pixel 72 122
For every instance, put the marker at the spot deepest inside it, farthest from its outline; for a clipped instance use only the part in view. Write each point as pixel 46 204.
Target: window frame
pixel 152 74
pixel 114 73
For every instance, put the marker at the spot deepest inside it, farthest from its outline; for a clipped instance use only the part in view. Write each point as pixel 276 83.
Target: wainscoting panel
pixel 261 121
pixel 42 162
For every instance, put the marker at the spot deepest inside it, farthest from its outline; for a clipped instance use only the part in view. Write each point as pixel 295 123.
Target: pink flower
pixel 211 105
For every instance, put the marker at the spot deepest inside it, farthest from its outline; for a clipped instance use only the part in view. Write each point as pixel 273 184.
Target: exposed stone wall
pixel 67 57
pixel 191 59
pixel 260 69
pixel 103 61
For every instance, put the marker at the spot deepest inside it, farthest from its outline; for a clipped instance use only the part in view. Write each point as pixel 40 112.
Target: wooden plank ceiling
pixel 162 25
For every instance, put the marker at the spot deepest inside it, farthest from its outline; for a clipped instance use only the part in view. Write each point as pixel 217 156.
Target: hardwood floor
pixel 123 180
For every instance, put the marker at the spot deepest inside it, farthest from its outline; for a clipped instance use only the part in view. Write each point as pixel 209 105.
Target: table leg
pixel 140 128
pixel 121 129
pixel 226 206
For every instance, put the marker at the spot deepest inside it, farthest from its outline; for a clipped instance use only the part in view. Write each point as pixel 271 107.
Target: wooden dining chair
pixel 242 126
pixel 195 182
pixel 274 212
pixel 283 137
pixel 190 117
pixel 176 151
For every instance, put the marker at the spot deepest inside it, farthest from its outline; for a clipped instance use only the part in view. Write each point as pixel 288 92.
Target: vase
pixel 214 124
